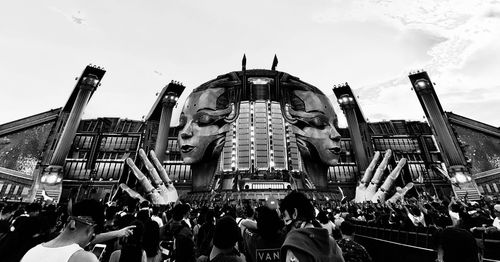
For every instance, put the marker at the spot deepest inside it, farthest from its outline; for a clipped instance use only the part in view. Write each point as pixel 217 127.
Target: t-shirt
pixel 496 223
pixel 353 252
pixel 417 220
pixel 330 226
pixel 259 249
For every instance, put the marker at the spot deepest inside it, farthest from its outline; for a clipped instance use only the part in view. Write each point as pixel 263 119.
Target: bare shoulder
pixel 84 256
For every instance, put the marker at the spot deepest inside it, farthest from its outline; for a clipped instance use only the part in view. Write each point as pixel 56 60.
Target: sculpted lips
pixel 187 148
pixel 335 150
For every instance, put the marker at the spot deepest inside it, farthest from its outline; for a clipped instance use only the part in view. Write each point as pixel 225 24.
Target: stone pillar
pixel 438 122
pixel 89 84
pixel 348 106
pixel 167 103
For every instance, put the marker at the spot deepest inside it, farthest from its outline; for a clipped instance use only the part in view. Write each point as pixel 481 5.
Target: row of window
pixel 13 190
pixel 491 188
pixel 179 172
pixel 83 143
pixel 105 170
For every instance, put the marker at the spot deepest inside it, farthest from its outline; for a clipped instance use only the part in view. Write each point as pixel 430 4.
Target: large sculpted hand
pixel 159 188
pixel 369 188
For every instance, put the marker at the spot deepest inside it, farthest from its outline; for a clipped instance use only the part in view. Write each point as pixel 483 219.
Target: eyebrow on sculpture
pixel 206 109
pixel 215 112
pixel 316 111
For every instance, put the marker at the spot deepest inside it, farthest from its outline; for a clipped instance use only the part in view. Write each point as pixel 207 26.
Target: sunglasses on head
pixel 83 219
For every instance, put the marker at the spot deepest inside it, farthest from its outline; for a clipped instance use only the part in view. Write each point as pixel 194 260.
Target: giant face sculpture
pixel 314 126
pixel 203 125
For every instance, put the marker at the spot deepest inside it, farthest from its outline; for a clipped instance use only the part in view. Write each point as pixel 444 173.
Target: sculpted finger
pixel 389 181
pixel 369 170
pixel 381 167
pixel 163 173
pixel 380 195
pixel 406 188
pixel 140 176
pixel 400 193
pixel 132 192
pixel 155 178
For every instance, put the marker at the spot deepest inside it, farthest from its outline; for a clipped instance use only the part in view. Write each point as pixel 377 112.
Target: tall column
pixel 168 102
pixel 348 106
pixel 437 120
pixel 447 142
pixel 89 84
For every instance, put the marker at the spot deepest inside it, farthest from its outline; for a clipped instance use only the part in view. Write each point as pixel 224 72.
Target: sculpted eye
pixel 205 119
pixel 319 122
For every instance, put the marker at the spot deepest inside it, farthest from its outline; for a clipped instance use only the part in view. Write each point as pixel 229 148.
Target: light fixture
pixel 461 178
pixel 421 84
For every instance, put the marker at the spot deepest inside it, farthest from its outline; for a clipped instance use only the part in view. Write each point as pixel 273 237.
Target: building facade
pixel 260 154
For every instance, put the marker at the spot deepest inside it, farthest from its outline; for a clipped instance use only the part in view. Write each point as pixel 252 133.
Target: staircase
pixel 470 189
pixel 53 191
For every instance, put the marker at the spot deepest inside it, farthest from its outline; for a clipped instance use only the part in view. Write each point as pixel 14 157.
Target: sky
pixel 143 45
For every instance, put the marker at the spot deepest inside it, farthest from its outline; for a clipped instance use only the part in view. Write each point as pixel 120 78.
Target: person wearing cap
pixel 226 235
pixel 306 240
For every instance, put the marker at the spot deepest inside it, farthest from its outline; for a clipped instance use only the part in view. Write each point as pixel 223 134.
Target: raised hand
pixel 369 188
pixel 158 189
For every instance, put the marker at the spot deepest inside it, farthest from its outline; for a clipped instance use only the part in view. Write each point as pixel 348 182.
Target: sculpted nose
pixel 335 136
pixel 185 136
pixel 186 132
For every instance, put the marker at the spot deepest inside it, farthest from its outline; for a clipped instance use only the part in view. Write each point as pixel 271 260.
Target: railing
pixel 422 238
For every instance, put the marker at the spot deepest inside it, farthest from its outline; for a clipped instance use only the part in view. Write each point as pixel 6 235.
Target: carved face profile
pixel 202 125
pixel 315 126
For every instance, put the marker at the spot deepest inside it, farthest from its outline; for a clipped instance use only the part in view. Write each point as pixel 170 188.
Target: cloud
pixel 466 25
pixel 461 42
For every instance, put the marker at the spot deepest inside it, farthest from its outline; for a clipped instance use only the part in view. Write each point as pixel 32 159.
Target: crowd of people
pixel 293 229
pixel 425 211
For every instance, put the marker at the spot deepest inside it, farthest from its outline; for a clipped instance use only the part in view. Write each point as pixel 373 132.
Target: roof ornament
pixel 244 63
pixel 275 63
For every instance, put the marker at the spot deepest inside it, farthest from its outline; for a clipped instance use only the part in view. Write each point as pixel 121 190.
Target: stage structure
pixel 248 134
